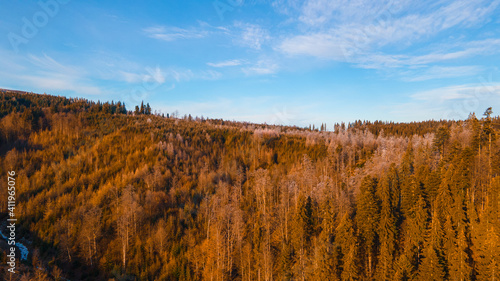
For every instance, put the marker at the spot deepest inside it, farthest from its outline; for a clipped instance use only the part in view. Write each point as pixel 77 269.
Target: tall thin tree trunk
pixel 69 255
pixel 90 251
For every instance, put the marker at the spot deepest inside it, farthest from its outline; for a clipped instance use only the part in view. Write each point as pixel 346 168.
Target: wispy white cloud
pixel 361 40
pixel 54 82
pixel 51 75
pixel 327 47
pixel 439 72
pixel 446 52
pixel 451 102
pixel 416 111
pixel 262 67
pixel 243 34
pixel 260 109
pixel 148 75
pixel 177 75
pixel 130 77
pixel 225 63
pixel 317 45
pixel 209 75
pixel 286 7
pixel 155 74
pixel 47 63
pixel 251 35
pixel 45 73
pixel 160 76
pixel 459 92
pixel 330 47
pixel 319 12
pixel 172 33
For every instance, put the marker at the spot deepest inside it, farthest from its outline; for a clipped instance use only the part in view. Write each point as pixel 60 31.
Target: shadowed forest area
pixel 106 192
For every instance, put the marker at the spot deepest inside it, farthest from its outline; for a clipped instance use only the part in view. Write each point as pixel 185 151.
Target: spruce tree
pixel 368 215
pixel 415 231
pixel 405 268
pixel 387 231
pixel 351 270
pixel 442 136
pixel 345 235
pixel 347 240
pixel 329 259
pixel 492 254
pixel 432 267
pixel 459 263
pixel 486 237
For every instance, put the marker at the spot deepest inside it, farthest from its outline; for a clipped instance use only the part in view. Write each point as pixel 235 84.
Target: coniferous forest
pixel 108 192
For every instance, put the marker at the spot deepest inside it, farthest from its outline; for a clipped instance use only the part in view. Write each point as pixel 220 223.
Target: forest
pixel 105 192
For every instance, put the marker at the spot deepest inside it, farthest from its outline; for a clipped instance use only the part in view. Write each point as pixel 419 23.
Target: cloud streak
pixel 261 67
pixel 251 35
pixel 227 63
pixel 172 33
pixel 440 72
pixel 459 92
pixel 369 41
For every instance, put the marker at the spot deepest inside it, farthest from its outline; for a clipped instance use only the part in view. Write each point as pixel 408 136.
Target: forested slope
pixel 104 193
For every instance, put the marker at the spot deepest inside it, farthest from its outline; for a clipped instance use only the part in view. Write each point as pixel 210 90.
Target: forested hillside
pixel 106 193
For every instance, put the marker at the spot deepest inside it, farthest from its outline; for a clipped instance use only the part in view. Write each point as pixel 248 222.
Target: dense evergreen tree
pixel 387 230
pixel 432 266
pixel 103 194
pixel 367 217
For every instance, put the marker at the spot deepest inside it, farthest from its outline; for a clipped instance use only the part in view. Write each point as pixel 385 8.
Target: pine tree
pixel 367 218
pixel 492 254
pixel 345 235
pixel 407 164
pixel 415 232
pixel 459 263
pixel 286 262
pixel 475 127
pixel 347 240
pixel 350 270
pixel 486 238
pixel 432 267
pixel 387 231
pixel 302 231
pixel 442 136
pixel 489 137
pixel 304 220
pixel 405 268
pixel 410 191
pixel 329 259
pixel 444 197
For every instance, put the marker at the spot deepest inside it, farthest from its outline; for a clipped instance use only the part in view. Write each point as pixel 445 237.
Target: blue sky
pixel 275 61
